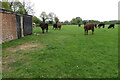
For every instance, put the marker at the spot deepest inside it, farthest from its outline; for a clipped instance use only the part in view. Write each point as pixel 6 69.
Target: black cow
pixel 95 25
pixel 111 26
pixel 99 25
pixel 44 26
pixel 79 25
pixel 55 26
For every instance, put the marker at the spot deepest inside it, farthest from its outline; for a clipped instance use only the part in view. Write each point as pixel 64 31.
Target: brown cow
pixel 59 26
pixel 89 26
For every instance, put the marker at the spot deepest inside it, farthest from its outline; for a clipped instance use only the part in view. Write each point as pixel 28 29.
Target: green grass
pixel 67 53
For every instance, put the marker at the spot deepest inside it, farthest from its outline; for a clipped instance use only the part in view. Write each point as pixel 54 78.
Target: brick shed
pixel 14 26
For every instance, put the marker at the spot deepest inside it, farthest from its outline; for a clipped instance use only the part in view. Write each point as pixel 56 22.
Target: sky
pixel 101 10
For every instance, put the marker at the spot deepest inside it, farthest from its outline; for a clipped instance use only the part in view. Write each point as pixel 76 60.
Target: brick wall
pixel 9 30
pixel 0 28
pixel 14 26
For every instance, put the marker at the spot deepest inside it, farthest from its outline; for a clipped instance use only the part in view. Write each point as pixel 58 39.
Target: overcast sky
pixel 101 10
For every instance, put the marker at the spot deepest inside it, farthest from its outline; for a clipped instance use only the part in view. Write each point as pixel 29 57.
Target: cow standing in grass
pixel 57 26
pixel 89 26
pixel 44 26
pixel 79 25
pixel 95 25
pixel 111 26
pixel 100 25
pixel 54 26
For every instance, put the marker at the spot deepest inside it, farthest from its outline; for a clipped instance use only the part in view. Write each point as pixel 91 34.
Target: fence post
pixel 22 26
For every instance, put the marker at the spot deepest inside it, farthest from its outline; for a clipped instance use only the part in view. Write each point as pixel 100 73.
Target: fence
pixel 14 26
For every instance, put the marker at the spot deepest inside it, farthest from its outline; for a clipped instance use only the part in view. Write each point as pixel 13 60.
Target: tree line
pixel 51 18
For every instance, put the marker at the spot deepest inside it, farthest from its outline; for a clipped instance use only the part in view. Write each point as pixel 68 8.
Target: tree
pixel 6 6
pixel 36 20
pixel 85 21
pixel 24 7
pixel 94 21
pixel 56 20
pixel 44 16
pixel 28 7
pixel 112 22
pixel 20 11
pixel 66 22
pixel 14 4
pixel 73 21
pixel 78 20
pixel 51 17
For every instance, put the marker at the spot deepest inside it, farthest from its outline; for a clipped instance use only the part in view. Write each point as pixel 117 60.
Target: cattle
pixel 111 26
pixel 79 25
pixel 57 26
pixel 54 26
pixel 95 25
pixel 100 25
pixel 33 24
pixel 44 26
pixel 89 26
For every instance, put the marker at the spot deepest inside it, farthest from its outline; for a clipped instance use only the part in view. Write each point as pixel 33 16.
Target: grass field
pixel 67 53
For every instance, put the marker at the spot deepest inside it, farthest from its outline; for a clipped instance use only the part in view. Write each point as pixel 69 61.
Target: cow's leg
pixel 56 27
pixel 86 32
pixel 42 30
pixel 47 29
pixel 59 28
pixel 103 26
pixel 92 32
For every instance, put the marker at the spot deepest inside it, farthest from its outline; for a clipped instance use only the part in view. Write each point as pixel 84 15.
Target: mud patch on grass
pixel 26 46
pixel 11 59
